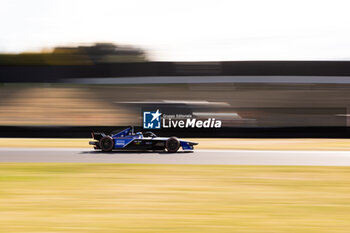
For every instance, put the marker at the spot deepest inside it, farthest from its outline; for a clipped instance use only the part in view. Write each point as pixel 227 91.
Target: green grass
pixel 110 198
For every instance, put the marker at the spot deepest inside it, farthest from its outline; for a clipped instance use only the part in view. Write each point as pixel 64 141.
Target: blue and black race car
pixel 128 140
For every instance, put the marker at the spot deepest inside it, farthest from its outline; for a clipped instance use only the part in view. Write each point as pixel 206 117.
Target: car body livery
pixel 128 140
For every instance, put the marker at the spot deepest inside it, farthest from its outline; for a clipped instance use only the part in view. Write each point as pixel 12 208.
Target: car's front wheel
pixel 107 143
pixel 172 145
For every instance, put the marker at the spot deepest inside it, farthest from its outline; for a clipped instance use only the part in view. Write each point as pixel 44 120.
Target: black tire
pixel 107 143
pixel 172 145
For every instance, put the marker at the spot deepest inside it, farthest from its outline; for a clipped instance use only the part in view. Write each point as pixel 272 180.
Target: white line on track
pixel 42 149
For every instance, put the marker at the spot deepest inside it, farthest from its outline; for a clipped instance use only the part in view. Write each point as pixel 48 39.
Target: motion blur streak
pixel 104 198
pixel 105 84
pixel 254 105
pixel 216 71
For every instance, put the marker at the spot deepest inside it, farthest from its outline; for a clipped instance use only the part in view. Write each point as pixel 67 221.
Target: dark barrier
pixel 85 132
pixel 55 73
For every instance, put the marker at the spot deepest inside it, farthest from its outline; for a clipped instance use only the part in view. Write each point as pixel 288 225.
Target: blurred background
pixel 265 68
pixel 97 65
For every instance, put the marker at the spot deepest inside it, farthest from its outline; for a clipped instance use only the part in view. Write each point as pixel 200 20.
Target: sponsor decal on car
pixel 120 142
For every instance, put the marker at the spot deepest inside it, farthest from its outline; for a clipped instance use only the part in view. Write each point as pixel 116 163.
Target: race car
pixel 128 140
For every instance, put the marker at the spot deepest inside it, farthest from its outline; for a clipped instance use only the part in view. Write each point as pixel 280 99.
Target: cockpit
pixel 149 134
pixel 129 132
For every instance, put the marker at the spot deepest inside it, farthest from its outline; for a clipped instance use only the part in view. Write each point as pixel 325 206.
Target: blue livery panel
pixel 122 142
pixel 186 145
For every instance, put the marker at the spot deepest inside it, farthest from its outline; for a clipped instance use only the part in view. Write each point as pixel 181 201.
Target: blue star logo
pixel 151 120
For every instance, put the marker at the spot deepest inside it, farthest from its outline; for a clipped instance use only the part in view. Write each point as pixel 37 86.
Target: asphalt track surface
pixel 214 157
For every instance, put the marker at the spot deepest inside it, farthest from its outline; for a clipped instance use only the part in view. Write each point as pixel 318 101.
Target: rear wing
pixel 97 136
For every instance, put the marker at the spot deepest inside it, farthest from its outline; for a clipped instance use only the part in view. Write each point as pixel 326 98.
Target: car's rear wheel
pixel 107 143
pixel 172 145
